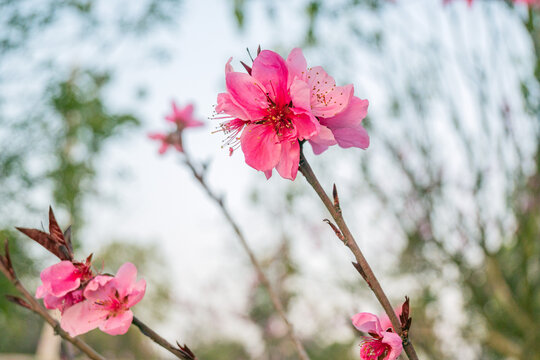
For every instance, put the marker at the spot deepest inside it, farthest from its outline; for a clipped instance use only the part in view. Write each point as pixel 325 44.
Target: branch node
pixel 337 231
pixel 336 199
pixel 361 271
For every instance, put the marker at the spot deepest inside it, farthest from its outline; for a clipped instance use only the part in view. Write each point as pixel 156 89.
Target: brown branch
pixel 362 265
pixel 181 352
pixel 302 354
pixel 32 304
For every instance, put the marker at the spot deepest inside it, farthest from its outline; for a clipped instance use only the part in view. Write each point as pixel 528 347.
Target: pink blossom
pixel 382 339
pixel 107 303
pixel 182 118
pixel 268 112
pixel 60 283
pixel 339 112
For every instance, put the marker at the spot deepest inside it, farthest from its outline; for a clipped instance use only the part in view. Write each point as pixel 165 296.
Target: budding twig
pixel 276 302
pixel 181 352
pixel 361 265
pixel 32 304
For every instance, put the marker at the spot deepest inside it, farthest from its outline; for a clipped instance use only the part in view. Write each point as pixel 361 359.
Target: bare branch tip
pixel 18 301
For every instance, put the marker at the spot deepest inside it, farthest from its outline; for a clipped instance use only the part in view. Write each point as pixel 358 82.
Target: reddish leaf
pixel 44 240
pixel 54 229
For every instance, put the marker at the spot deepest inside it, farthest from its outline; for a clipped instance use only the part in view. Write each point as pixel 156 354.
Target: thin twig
pixel 258 268
pixel 32 304
pixel 181 352
pixel 362 265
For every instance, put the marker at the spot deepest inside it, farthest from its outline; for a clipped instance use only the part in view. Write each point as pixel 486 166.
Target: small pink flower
pixel 268 114
pixel 339 112
pixel 107 303
pixel 382 339
pixel 60 283
pixel 182 118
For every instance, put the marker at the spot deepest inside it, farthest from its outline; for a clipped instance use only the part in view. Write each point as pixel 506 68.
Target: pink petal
pixel 52 302
pixel 97 288
pixel 306 125
pixel 226 104
pixel 351 116
pixel 163 148
pixel 396 345
pixel 268 174
pixel 137 293
pixel 322 140
pixel 192 122
pixel 117 325
pixel 327 99
pixel 297 65
pixel 82 317
pixel 186 112
pixel 367 322
pixel 157 136
pixel 290 158
pixel 61 278
pixel 228 66
pixel 125 279
pixel 261 147
pixel 385 320
pixel 248 93
pixel 41 291
pixel 300 95
pixel 352 137
pixel 270 69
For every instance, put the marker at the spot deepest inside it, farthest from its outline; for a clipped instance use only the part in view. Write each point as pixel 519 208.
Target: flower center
pixel 278 118
pixel 373 349
pixel 114 305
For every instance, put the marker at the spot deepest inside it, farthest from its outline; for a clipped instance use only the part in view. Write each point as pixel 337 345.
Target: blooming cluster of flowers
pixel 280 103
pixel 87 301
pixel 182 118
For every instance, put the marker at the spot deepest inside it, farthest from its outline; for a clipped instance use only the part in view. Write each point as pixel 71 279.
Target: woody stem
pixel 350 242
pixel 155 337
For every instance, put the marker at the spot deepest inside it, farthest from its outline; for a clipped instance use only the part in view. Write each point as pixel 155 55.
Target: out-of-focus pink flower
pixel 339 112
pixel 107 303
pixel 381 340
pixel 268 113
pixel 60 283
pixel 182 118
pixel 528 2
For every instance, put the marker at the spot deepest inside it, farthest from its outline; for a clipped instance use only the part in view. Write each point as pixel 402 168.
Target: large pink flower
pixel 60 283
pixel 382 340
pixel 182 118
pixel 268 113
pixel 340 112
pixel 107 303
